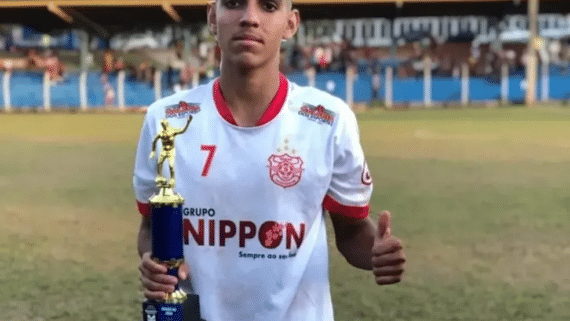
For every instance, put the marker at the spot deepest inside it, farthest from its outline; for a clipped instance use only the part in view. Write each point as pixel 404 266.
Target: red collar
pixel 271 112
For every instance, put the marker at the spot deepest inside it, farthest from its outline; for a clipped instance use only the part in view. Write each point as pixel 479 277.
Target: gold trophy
pixel 166 234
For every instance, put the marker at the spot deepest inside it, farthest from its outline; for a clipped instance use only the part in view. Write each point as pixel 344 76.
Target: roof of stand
pixel 107 17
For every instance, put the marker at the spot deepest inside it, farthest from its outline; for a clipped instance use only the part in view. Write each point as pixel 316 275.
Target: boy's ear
pixel 293 22
pixel 211 15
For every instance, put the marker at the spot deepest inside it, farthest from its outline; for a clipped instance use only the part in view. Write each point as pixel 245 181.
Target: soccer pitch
pixel 480 198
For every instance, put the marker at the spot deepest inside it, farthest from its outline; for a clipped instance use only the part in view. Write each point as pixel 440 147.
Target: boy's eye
pixel 269 5
pixel 231 4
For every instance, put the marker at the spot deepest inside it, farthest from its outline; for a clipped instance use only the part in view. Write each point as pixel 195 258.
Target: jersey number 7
pixel 211 149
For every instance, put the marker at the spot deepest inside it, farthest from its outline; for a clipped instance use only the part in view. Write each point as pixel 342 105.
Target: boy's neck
pixel 248 93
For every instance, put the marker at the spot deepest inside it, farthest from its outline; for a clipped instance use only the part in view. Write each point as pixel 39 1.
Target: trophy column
pixel 167 238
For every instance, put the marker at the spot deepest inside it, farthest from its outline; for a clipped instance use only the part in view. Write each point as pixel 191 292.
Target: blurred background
pixel 463 115
pixel 85 54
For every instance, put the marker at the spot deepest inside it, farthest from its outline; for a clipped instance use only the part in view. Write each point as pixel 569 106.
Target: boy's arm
pixel 369 247
pixel 354 239
pixel 144 240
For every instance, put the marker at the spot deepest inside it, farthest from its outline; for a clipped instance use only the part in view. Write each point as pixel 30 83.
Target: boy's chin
pixel 246 61
pixel 247 64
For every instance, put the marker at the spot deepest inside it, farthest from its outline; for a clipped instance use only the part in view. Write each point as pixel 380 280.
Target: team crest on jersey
pixel 285 168
pixel 182 110
pixel 317 113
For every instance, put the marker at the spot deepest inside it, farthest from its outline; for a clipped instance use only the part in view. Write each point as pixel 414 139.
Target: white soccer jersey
pixel 254 225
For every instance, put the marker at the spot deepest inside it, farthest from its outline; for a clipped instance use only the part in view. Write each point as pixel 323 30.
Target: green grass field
pixel 480 197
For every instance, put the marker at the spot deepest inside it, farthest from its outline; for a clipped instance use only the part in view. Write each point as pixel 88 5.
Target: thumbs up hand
pixel 387 254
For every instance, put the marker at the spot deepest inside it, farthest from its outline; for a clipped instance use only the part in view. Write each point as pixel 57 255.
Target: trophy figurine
pixel 166 235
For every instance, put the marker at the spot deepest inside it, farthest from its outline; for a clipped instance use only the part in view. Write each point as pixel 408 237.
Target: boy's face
pixel 250 32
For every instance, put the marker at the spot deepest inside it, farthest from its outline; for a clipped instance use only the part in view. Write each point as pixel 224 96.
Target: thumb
pixel 384 225
pixel 183 271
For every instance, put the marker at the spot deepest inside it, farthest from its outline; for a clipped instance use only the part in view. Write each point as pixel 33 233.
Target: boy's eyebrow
pixel 289 3
pixel 283 1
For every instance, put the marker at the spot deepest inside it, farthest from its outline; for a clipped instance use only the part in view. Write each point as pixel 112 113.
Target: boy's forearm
pixel 144 241
pixel 356 242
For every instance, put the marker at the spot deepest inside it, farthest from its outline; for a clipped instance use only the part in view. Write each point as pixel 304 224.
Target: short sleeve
pixel 351 184
pixel 145 168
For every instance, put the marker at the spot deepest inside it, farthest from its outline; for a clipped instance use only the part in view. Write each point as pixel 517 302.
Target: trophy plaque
pixel 166 235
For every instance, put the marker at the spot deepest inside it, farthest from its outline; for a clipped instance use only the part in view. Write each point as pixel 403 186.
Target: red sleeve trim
pixel 144 209
pixel 356 212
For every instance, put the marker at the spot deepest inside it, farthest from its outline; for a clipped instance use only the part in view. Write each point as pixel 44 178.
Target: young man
pixel 261 164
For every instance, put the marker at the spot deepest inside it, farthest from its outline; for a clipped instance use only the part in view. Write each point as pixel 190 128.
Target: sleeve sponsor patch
pixel 181 110
pixel 317 113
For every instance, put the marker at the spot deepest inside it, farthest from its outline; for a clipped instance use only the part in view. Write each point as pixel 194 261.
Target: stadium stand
pixel 387 34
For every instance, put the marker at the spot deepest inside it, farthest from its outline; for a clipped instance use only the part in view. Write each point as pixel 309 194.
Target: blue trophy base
pixel 189 310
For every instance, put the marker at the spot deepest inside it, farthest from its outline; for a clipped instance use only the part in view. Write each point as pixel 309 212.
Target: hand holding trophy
pixel 166 234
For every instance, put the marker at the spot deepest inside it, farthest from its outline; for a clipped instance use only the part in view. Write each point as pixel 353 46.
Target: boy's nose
pixel 250 17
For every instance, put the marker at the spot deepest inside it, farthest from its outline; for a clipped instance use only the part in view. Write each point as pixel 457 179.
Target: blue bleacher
pixel 484 89
pixel 27 91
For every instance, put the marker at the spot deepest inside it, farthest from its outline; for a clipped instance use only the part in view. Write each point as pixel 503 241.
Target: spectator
pixel 108 61
pixel 179 49
pixel 323 57
pixel 347 56
pixel 145 72
pixel 54 67
pixel 150 75
pixel 6 65
pixel 34 60
pixel 9 43
pixel 186 76
pixel 108 90
pixel 284 66
pixel 297 59
pixel 337 52
pixel 119 64
pixel 170 76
